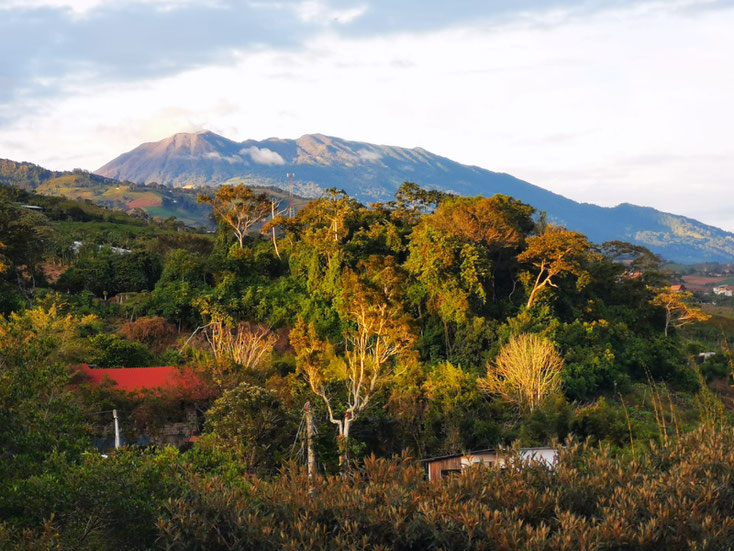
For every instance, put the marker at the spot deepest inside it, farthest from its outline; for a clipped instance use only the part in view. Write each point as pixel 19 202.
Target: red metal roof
pixel 147 378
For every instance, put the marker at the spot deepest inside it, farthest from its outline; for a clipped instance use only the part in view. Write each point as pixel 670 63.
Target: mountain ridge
pixel 372 173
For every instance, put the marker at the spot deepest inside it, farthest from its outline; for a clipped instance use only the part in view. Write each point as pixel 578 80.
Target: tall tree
pixel 320 233
pixel 555 253
pixel 238 207
pixel 377 333
pixel 456 253
pixel 679 308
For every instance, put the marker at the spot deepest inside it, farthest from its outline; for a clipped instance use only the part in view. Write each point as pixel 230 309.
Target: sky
pixel 601 101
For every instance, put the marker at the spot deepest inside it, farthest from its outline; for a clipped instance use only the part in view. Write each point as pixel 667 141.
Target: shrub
pixel 112 351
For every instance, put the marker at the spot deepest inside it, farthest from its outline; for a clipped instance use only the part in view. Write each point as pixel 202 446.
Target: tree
pixel 678 306
pixel 639 257
pixel 526 371
pixel 252 423
pixel 182 281
pixel 3 260
pixel 27 239
pixel 556 252
pixel 411 200
pixel 39 415
pixel 456 253
pixel 377 333
pixel 322 230
pixel 248 347
pixel 114 351
pixel 238 207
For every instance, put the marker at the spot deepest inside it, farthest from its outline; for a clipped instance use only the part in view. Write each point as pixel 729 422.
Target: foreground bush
pixel 673 498
pixel 679 497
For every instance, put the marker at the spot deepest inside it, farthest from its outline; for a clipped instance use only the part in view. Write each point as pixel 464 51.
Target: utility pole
pixel 117 429
pixel 310 432
pixel 291 210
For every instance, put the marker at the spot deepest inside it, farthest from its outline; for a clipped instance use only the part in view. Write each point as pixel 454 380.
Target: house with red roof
pixel 181 389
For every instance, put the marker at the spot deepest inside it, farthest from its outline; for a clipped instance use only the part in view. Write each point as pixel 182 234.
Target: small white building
pixel 724 290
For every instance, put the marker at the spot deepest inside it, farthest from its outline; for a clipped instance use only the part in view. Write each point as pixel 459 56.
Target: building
pixel 724 290
pixel 439 467
pixel 678 288
pixel 181 387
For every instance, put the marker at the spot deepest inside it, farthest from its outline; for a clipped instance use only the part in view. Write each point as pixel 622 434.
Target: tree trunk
pixel 272 217
pixel 447 338
pixel 311 455
pixel 344 443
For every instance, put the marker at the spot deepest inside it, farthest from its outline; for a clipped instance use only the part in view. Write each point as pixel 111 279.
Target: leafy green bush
pixel 113 351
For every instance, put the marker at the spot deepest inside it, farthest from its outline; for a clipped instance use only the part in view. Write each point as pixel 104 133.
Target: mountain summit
pixel 372 173
pixel 366 171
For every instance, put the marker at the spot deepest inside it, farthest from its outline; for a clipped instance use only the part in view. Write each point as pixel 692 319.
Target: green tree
pixel 39 415
pixel 252 423
pixel 462 252
pixel 377 333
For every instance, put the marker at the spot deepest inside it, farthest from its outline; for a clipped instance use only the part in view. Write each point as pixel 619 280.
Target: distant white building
pixel 724 290
pixel 76 246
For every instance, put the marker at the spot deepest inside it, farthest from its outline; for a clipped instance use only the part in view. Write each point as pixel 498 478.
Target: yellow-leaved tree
pixel 3 260
pixel 526 371
pixel 238 349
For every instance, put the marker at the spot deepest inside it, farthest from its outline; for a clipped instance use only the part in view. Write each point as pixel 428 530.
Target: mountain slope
pixel 158 201
pixel 372 172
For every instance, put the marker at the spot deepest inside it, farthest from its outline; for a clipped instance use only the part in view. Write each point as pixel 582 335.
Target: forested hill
pixel 155 200
pixel 359 338
pixel 370 173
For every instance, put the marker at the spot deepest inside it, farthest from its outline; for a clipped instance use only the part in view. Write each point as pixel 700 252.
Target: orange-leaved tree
pixel 455 251
pixel 554 253
pixel 239 207
pixel 679 308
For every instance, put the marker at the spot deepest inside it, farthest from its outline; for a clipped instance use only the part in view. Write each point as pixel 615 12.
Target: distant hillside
pixel 372 173
pixel 158 201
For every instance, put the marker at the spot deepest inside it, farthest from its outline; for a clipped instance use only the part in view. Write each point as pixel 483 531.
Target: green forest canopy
pixel 389 319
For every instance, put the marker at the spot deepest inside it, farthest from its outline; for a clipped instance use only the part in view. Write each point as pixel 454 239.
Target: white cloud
pixel 263 156
pixel 369 156
pixel 82 7
pixel 631 105
pixel 233 159
pixel 318 11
